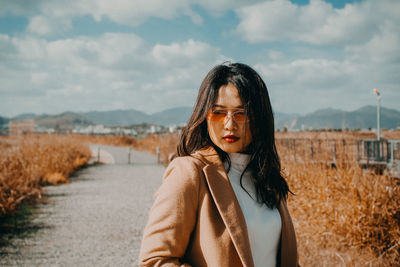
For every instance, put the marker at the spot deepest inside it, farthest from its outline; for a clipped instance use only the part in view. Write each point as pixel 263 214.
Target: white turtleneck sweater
pixel 263 223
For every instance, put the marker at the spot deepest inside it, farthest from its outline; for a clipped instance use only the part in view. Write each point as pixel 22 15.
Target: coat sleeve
pixel 172 216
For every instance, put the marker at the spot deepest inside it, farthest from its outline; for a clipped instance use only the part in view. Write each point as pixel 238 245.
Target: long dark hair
pixel 264 162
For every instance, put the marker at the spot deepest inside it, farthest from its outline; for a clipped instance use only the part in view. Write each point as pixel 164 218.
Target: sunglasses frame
pixel 227 112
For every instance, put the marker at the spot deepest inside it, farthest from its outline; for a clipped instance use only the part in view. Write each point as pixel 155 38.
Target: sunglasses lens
pixel 219 116
pixel 239 117
pixel 216 116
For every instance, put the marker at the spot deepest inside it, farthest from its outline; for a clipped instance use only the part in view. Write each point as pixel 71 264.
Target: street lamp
pixel 378 128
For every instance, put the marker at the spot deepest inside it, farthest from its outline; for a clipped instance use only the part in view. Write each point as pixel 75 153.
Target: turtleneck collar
pixel 239 161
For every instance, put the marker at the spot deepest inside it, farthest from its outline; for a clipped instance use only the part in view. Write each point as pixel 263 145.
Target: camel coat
pixel 196 219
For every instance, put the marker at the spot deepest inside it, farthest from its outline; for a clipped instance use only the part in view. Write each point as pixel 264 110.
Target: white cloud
pixel 42 25
pixel 39 25
pixel 48 16
pixel 180 52
pixel 366 54
pixel 309 74
pixel 218 7
pixel 383 48
pixel 310 84
pixel 136 12
pixel 307 85
pixel 316 23
pixel 334 57
pixel 114 70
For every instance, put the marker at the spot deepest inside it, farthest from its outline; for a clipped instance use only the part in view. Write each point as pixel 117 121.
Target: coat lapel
pixel 227 205
pixel 288 246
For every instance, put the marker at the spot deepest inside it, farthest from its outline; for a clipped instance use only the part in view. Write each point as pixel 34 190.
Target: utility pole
pixel 378 115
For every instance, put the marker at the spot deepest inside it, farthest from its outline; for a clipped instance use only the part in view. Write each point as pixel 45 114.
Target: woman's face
pixel 227 123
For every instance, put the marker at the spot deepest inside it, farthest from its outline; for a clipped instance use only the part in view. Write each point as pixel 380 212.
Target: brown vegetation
pixel 343 215
pixel 166 142
pixel 30 161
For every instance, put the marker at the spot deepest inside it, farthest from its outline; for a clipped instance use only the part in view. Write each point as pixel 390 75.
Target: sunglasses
pixel 219 115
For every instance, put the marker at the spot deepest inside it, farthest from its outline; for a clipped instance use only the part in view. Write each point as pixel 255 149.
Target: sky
pixel 58 56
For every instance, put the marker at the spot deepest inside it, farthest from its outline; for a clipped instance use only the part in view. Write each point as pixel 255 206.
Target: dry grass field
pixel 343 215
pixel 166 142
pixel 28 162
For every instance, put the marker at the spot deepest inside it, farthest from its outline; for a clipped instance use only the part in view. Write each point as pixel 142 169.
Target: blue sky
pixel 58 56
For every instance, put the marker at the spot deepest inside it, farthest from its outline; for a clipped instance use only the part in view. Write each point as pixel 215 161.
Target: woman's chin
pixel 231 148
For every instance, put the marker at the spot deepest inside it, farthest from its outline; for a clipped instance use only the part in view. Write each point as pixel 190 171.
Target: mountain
pixel 365 117
pixel 131 116
pixel 66 120
pixel 284 120
pixel 172 116
pixel 117 117
pixel 3 121
pixel 362 118
pixel 25 116
pixel 323 118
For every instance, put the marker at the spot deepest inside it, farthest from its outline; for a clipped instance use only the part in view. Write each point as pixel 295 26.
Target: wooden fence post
pixel 312 149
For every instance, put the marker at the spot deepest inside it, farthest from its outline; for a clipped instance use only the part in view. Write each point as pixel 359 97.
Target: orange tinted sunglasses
pixel 219 115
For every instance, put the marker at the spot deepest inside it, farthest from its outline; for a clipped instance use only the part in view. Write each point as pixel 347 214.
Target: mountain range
pixel 362 118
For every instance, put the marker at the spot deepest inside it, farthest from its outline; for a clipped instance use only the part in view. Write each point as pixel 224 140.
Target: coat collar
pixel 231 213
pixel 226 202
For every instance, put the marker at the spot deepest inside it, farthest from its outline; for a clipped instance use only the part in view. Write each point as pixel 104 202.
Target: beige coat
pixel 196 219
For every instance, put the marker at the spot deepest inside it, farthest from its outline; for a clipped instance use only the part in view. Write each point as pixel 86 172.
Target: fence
pixel 383 154
pixel 372 154
pixel 317 150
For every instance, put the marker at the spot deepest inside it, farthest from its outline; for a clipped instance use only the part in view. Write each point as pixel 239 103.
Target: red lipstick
pixel 230 138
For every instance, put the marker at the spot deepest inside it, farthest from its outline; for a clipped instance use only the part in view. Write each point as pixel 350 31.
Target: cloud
pixel 115 70
pixel 316 83
pixel 44 25
pixel 134 13
pixel 330 57
pixel 20 8
pixel 309 74
pixel 333 57
pixel 220 6
pixel 49 16
pixel 316 23
pixel 295 85
pixel 180 52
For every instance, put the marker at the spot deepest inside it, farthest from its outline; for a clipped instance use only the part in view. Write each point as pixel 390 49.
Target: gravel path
pixel 96 220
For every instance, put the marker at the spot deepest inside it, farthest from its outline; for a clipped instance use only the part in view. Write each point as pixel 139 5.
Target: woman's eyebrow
pixel 222 106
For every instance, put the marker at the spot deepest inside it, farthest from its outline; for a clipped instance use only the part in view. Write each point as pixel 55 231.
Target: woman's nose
pixel 229 123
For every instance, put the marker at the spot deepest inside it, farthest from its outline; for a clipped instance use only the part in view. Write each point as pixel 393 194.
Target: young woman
pixel 223 199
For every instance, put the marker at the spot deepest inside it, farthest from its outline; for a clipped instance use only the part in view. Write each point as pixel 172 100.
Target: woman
pixel 223 199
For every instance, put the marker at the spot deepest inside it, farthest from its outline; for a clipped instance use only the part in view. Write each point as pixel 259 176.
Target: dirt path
pixel 96 220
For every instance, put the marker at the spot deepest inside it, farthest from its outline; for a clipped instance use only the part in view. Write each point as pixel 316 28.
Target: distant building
pixel 154 129
pixel 100 129
pixel 21 127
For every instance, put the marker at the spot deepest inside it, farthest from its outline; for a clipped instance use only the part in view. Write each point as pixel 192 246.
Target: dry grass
pixel 166 142
pixel 31 161
pixel 344 216
pixel 348 135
